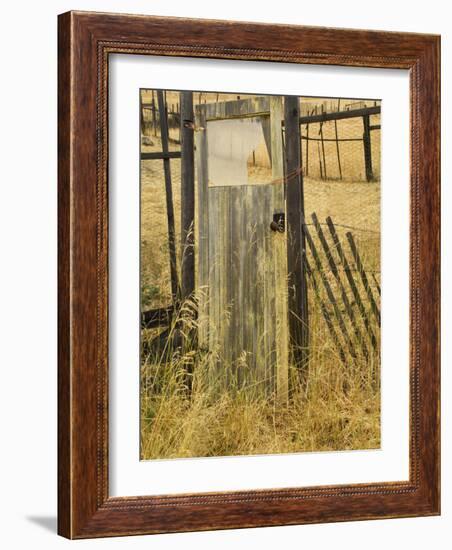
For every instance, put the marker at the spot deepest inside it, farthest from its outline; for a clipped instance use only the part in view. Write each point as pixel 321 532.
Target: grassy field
pixel 338 408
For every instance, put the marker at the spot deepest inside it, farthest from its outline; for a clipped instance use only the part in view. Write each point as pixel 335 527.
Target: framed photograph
pixel 248 275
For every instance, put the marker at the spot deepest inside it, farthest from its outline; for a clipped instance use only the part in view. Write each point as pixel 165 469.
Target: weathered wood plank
pixel 367 148
pixel 362 272
pixel 339 165
pixel 320 160
pixel 154 114
pixel 247 265
pixel 351 281
pixel 377 286
pixel 237 271
pixel 250 107
pixel 187 196
pixel 329 293
pixel 260 106
pixel 278 242
pixel 214 278
pixel 158 155
pixel 175 291
pixel 203 229
pixel 325 313
pixel 341 115
pixel 242 314
pixel 335 272
pixel 297 288
pixel 160 317
pixel 322 142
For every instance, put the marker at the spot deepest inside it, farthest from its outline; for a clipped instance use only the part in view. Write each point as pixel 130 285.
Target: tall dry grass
pixel 187 409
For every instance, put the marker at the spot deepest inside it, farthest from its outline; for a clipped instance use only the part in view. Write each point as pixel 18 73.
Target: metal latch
pixel 279 222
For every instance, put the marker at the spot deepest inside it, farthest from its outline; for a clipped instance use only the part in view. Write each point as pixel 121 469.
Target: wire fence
pixel 338 149
pixel 336 184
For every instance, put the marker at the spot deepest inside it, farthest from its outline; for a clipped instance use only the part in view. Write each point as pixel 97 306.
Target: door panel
pixel 242 265
pixel 242 315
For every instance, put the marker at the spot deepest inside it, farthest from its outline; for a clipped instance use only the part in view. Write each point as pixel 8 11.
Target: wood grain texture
pixel 246 289
pixel 85 41
pixel 279 252
pixel 187 196
pixel 64 295
pixel 242 284
pixel 202 231
pixel 296 242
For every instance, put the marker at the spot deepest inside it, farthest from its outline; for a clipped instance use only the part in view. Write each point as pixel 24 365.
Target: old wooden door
pixel 242 266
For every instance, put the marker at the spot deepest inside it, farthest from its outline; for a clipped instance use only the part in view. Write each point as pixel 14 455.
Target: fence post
pixel 307 144
pixel 337 141
pixel 154 115
pixel 279 244
pixel 367 148
pixel 320 161
pixel 323 149
pixel 297 288
pixel 169 197
pixel 142 123
pixel 187 195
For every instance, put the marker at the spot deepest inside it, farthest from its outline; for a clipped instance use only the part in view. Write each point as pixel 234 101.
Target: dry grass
pixel 338 409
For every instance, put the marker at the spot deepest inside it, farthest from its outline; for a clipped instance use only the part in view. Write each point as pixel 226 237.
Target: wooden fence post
pixel 169 197
pixel 367 148
pixel 279 244
pixel 297 288
pixel 337 142
pixel 154 114
pixel 306 168
pixel 202 233
pixel 323 149
pixel 141 117
pixel 320 161
pixel 187 195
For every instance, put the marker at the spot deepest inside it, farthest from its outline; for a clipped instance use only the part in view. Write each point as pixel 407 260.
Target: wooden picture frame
pixel 86 40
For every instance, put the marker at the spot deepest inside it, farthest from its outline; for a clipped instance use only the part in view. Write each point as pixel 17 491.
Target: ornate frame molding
pixel 85 42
